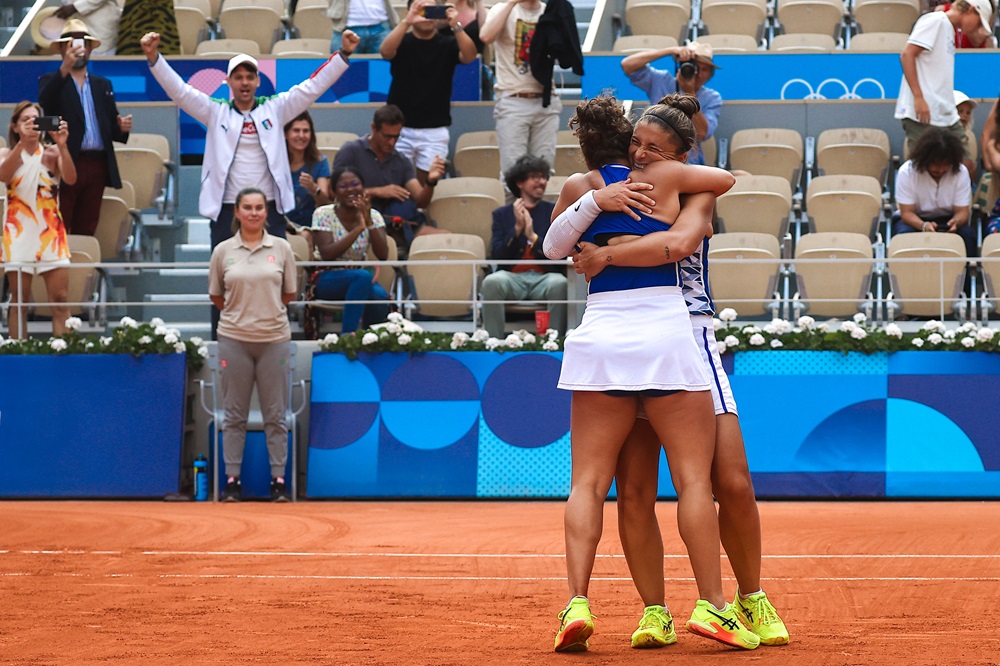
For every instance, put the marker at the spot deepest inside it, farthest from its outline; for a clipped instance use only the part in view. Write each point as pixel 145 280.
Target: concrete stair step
pixel 189 309
pixel 192 252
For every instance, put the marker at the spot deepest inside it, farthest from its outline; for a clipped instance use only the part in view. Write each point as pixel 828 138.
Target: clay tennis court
pixel 469 583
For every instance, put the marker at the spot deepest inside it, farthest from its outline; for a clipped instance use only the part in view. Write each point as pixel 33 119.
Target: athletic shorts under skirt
pixel 634 340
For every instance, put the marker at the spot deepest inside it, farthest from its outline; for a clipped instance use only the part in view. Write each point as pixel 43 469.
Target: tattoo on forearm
pixel 666 250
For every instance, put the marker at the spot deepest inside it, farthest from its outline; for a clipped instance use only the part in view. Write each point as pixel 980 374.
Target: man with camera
pixel 694 71
pixel 87 102
pixel 423 51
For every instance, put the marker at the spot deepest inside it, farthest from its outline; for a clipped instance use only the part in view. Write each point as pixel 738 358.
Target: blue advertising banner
pixel 91 425
pixel 816 424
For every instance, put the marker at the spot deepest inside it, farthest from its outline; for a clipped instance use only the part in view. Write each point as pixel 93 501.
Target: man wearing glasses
pixel 390 178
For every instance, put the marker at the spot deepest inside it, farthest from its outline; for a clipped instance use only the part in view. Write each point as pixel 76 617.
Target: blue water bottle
pixel 200 478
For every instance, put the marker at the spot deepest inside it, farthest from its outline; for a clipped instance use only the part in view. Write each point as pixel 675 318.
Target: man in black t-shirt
pixel 423 65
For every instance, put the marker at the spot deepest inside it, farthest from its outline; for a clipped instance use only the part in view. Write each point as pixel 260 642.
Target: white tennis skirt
pixel 635 340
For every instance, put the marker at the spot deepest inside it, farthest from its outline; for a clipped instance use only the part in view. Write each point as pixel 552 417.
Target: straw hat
pixel 46 27
pixel 703 53
pixel 74 28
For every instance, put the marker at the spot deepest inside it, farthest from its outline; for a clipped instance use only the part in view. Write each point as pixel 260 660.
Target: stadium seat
pixel 853 150
pixel 816 16
pixel 554 187
pixel 926 288
pixel 734 17
pixel 711 151
pixel 749 288
pixel 991 272
pixel 658 17
pixel 329 143
pixel 86 284
pixel 768 152
pixel 311 22
pixel 465 205
pixel 844 204
pixel 569 159
pixel 886 15
pixel 450 282
pixel 477 154
pixel 302 47
pixel 114 226
pixel 224 49
pixel 834 288
pixel 194 19
pixel 144 168
pixel 759 204
pixel 628 44
pixel 878 42
pixel 723 43
pixel 244 19
pixel 803 42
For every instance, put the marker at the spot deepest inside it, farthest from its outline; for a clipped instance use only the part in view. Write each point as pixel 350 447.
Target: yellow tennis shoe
pixel 576 626
pixel 759 616
pixel 721 625
pixel 656 629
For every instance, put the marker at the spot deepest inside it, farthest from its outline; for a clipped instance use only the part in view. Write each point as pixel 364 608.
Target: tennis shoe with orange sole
pixel 576 626
pixel 656 629
pixel 759 616
pixel 721 625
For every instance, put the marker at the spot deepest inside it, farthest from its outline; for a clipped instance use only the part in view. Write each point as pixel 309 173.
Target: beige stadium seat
pixel 311 21
pixel 192 23
pixel 818 16
pixel 991 269
pixel 734 17
pixel 768 152
pixel 302 47
pixel 926 288
pixel 478 154
pixel 748 288
pixel 85 284
pixel 224 49
pixel 554 187
pixel 722 43
pixel 113 227
pixel 569 159
pixel 387 276
pixel 836 288
pixel 126 193
pixel 886 15
pixel 450 282
pixel 465 205
pixel 803 42
pixel 853 150
pixel 711 151
pixel 628 44
pixel 258 24
pixel 759 204
pixel 658 17
pixel 329 143
pixel 845 204
pixel 144 168
pixel 879 42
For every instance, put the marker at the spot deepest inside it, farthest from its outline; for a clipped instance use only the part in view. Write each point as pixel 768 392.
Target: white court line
pixel 270 553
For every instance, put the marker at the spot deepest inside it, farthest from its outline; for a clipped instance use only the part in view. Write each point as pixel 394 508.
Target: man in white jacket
pixel 245 139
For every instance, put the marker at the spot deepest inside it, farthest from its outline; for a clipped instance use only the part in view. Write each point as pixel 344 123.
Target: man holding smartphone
pixel 424 49
pixel 87 103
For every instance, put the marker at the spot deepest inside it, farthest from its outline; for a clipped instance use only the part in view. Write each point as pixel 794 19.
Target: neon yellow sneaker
pixel 759 616
pixel 576 627
pixel 723 626
pixel 656 629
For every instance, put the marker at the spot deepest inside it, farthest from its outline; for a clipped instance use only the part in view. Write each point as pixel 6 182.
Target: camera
pixel 47 123
pixel 435 11
pixel 688 69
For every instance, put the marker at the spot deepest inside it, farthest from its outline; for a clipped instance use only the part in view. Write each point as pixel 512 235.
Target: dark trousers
pixel 80 203
pixel 222 229
pixel 965 232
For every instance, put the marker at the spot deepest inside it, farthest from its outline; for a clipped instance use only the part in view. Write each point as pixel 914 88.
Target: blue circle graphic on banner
pixel 526 414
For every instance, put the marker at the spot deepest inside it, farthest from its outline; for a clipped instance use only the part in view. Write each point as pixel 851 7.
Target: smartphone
pixel 435 11
pixel 47 123
pixel 77 44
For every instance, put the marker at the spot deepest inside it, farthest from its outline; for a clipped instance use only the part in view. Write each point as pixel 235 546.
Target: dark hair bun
pixel 686 104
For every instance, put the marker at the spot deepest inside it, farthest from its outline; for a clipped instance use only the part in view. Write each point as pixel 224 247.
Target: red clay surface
pixel 469 583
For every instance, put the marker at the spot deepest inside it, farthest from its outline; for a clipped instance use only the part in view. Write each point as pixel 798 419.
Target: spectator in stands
pixel 87 102
pixel 990 141
pixel 524 126
pixel 142 16
pixel 696 69
pixel 244 143
pixel 390 179
pixel 518 231
pixel 344 230
pixel 933 189
pixel 33 232
pixel 252 277
pixel 962 40
pixel 965 106
pixel 423 66
pixel 927 91
pixel 310 174
pixel 101 16
pixel 371 20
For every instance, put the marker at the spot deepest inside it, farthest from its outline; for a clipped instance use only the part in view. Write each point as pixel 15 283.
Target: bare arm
pixel 908 214
pixel 67 170
pixel 331 249
pixel 287 297
pixel 691 178
pixel 991 151
pixel 10 160
pixel 392 41
pixel 495 21
pixel 908 59
pixel 218 301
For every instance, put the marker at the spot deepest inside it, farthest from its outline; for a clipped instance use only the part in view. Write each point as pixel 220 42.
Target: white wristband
pixel 569 225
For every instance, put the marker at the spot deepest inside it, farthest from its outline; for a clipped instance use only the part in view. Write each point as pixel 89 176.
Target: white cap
pixel 985 10
pixel 962 98
pixel 241 59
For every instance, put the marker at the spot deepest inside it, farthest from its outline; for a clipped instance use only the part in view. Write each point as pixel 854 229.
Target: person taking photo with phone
pixel 87 103
pixel 424 50
pixel 695 68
